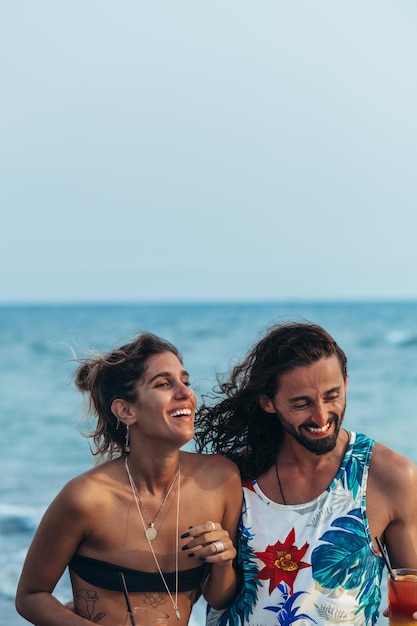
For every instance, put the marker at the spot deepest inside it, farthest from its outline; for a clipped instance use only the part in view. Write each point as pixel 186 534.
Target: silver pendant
pixel 151 532
pixel 177 614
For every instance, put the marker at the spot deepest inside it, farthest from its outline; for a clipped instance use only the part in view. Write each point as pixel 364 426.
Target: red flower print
pixel 282 562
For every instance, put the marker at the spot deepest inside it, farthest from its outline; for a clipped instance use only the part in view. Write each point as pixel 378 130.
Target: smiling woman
pixel 138 504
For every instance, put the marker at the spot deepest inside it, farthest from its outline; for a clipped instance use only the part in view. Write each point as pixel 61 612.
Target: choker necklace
pixel 279 483
pixel 137 500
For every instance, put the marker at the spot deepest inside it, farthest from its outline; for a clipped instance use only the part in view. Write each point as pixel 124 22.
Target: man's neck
pixel 294 454
pixel 302 474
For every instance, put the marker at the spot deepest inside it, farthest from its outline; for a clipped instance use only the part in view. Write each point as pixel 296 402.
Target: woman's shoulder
pixel 214 465
pixel 82 491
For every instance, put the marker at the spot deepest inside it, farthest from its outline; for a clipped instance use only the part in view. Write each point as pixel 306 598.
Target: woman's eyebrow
pixel 166 375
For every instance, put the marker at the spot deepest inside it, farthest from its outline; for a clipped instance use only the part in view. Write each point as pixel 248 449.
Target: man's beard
pixel 321 446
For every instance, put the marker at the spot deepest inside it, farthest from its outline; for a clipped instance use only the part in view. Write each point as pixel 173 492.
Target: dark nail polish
pixel 185 547
pixel 184 535
pixel 190 554
pixel 202 558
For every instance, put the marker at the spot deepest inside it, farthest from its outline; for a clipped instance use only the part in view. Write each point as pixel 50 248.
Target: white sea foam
pixel 402 338
pixel 15 518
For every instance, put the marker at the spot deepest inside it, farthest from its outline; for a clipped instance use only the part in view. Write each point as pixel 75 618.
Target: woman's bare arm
pixel 60 531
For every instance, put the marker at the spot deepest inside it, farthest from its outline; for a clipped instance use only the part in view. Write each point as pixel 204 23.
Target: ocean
pixel 41 411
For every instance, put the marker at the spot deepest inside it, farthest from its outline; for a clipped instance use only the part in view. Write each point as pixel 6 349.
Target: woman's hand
pixel 209 542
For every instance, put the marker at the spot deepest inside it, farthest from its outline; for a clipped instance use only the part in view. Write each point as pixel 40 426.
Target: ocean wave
pixel 11 563
pixel 402 338
pixel 18 519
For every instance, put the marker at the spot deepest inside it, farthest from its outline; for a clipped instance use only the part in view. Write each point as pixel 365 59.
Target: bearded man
pixel 318 499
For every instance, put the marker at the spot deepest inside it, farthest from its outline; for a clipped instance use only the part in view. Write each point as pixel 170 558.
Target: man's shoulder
pixel 391 466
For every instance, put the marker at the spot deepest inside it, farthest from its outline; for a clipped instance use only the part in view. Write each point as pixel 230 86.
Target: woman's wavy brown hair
pixel 115 375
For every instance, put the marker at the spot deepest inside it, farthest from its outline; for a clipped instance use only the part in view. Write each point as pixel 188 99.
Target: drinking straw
pixel 129 606
pixel 385 557
pixel 388 564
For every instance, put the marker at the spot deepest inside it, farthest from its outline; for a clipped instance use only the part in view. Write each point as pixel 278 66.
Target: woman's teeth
pixel 181 413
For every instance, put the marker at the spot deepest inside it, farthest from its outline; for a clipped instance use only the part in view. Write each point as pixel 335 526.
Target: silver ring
pixel 213 525
pixel 219 546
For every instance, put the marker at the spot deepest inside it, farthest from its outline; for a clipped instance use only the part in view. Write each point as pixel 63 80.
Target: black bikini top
pixel 107 576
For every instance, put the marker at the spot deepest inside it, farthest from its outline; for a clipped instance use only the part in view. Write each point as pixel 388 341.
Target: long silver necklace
pixel 279 483
pixel 151 532
pixel 136 498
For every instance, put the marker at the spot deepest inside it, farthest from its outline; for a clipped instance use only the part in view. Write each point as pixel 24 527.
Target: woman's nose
pixel 183 390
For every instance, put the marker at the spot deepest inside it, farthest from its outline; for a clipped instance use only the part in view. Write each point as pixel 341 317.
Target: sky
pixel 155 151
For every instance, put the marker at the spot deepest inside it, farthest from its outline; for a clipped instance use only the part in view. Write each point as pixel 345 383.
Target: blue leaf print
pixel 241 607
pixel 346 561
pixel 287 613
pixel 357 457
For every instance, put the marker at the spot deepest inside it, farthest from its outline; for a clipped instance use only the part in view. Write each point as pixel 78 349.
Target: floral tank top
pixel 311 563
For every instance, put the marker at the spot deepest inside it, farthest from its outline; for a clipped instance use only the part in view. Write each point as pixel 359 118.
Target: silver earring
pixel 117 424
pixel 127 440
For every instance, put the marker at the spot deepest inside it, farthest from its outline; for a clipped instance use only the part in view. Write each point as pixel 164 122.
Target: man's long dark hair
pixel 236 426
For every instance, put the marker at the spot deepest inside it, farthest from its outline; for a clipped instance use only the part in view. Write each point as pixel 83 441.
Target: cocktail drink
pixel 402 597
pixel 147 616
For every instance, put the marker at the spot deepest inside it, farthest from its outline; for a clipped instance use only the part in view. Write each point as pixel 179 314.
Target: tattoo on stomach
pixel 154 598
pixel 87 599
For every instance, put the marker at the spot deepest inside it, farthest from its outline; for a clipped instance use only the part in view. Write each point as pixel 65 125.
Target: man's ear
pixel 123 411
pixel 266 404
